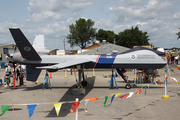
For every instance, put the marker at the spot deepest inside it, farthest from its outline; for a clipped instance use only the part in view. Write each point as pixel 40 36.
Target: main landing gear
pixel 128 86
pixel 121 73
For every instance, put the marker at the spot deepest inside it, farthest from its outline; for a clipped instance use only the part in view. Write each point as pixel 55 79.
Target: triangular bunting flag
pixel 159 83
pixel 173 78
pixel 57 107
pixel 116 94
pixel 151 45
pixel 172 70
pixel 74 106
pixel 124 96
pixel 130 94
pixel 31 109
pixel 112 99
pixel 165 71
pixel 148 86
pixel 165 77
pixel 138 92
pixel 156 83
pixel 178 68
pixel 160 70
pixel 165 81
pixel 86 102
pixel 92 99
pixel 4 108
pixel 152 82
pixel 106 97
pixel 145 89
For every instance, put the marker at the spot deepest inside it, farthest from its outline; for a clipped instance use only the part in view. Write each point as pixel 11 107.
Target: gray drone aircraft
pixel 36 61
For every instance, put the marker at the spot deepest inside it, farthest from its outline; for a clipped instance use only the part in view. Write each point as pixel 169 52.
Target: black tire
pixel 84 83
pixel 128 86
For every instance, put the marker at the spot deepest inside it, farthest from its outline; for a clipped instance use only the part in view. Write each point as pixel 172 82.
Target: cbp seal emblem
pixel 27 48
pixel 133 57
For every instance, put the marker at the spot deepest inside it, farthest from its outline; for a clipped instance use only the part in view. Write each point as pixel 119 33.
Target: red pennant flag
pixel 91 99
pixel 138 92
pixel 74 106
pixel 178 68
pixel 160 83
pixel 124 96
pixel 151 45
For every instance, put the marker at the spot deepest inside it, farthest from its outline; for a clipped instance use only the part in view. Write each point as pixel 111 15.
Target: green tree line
pixel 82 33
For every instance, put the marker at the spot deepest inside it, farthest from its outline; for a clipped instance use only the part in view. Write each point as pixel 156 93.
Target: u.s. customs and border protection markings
pixel 133 57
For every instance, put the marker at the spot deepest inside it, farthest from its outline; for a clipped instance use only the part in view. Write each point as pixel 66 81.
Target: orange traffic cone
pixel 50 76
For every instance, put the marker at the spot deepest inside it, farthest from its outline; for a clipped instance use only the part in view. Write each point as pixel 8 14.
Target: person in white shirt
pixel 7 74
pixel 177 59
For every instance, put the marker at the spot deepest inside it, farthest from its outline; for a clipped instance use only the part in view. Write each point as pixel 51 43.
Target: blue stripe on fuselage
pixel 105 61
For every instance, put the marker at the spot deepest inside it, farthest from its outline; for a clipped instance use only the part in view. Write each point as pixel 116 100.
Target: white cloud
pixel 5 36
pixel 46 10
pixel 176 15
pixel 150 10
pixel 104 24
pixel 141 23
pixel 157 17
pixel 45 16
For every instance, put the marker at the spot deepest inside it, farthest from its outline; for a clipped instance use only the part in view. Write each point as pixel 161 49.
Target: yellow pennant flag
pixel 116 94
pixel 160 70
pixel 156 83
pixel 57 107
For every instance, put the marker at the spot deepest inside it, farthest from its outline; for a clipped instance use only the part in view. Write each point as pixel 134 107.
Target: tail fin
pixel 38 42
pixel 25 48
pixel 39 45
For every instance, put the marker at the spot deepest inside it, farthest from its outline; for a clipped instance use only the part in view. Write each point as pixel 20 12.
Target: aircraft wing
pixel 67 64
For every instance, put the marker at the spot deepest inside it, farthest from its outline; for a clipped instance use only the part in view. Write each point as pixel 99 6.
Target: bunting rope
pixel 40 103
pixel 31 106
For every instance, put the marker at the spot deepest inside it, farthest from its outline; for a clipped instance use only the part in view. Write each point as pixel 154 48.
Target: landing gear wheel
pixel 128 86
pixel 84 83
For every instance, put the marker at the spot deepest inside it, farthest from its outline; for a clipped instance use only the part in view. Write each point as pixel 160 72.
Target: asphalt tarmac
pixel 138 107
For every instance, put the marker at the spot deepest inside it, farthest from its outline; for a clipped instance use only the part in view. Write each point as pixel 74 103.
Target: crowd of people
pixel 172 60
pixel 18 71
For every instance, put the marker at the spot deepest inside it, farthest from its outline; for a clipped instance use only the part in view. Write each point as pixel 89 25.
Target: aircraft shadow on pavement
pixel 65 108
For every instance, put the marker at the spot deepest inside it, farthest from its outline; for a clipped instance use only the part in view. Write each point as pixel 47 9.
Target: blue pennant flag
pixel 165 71
pixel 31 109
pixel 152 82
pixel 112 99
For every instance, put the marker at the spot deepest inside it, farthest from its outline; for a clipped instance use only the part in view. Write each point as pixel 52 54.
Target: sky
pixel 51 18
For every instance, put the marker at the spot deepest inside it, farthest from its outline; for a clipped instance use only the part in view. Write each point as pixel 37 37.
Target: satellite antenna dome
pixel 115 52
